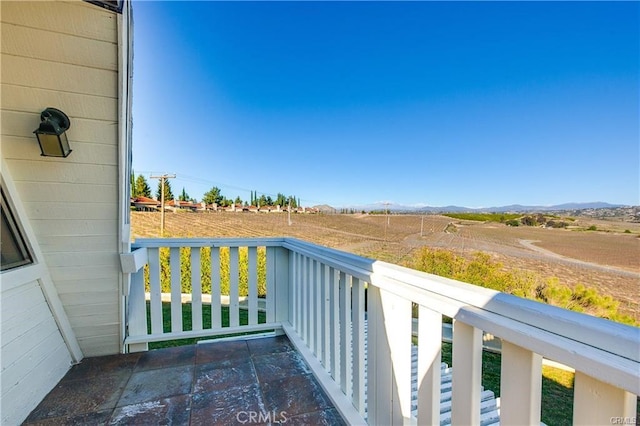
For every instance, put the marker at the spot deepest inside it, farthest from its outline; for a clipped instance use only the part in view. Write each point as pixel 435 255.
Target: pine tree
pixel 141 188
pixel 168 194
pixel 213 196
pixel 184 196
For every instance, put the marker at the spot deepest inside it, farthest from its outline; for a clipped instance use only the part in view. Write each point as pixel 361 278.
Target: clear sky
pixel 417 103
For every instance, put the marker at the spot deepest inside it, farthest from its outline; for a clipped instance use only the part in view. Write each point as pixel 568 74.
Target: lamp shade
pixel 51 133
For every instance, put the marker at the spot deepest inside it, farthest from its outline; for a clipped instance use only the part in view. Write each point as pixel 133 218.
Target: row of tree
pixel 140 188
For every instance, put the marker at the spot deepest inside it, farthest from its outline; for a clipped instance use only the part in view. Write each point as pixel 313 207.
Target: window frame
pixel 17 233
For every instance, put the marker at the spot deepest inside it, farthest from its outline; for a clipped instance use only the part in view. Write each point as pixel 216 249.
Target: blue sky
pixel 417 103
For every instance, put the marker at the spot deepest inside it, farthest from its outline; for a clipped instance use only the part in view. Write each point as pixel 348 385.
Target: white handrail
pixel 319 291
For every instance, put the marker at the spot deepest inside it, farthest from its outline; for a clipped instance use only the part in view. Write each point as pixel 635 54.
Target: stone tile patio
pixel 259 381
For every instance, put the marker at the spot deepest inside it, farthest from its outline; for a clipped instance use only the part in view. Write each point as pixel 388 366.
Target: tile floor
pixel 259 381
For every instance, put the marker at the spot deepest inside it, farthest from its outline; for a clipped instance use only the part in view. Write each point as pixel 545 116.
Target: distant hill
pixel 325 208
pixel 500 209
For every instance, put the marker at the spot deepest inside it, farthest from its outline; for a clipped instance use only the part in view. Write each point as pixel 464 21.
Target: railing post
pixel 467 374
pixel 379 363
pixel 137 311
pixel 429 360
pixel 520 385
pixel 389 361
pixel 596 402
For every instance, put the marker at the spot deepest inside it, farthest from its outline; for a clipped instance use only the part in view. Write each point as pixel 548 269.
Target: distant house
pixel 145 204
pixel 204 207
pixel 175 205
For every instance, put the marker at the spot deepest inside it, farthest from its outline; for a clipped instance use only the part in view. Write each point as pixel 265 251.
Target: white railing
pixel 324 300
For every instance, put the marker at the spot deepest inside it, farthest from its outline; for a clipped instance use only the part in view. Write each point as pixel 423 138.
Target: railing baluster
pixel 252 264
pixel 155 291
pixel 345 334
pixel 466 377
pixel 600 403
pixel 334 326
pixel 324 316
pixel 307 301
pixel 176 290
pixel 317 306
pixel 429 359
pixel 271 284
pixel 297 292
pixel 302 284
pixel 520 385
pixel 358 346
pixel 234 283
pixel 312 306
pixel 196 290
pixel 216 309
pixel 282 276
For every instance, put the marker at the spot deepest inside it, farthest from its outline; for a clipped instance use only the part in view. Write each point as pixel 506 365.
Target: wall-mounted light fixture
pixel 51 133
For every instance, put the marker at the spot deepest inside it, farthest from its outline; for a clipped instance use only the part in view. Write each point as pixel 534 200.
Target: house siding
pixel 71 203
pixel 34 354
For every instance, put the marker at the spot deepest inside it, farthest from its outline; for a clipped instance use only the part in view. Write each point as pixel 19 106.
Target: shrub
pixel 482 270
pixel 205 270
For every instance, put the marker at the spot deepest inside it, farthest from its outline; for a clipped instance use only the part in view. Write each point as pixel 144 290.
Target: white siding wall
pixel 65 55
pixel 34 354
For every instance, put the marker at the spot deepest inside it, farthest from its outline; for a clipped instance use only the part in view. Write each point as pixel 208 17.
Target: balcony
pixel 371 332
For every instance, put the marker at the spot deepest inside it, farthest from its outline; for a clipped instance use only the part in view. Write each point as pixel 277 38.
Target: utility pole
pixel 386 205
pixel 162 179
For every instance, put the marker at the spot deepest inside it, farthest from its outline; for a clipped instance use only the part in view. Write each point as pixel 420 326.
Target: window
pixel 112 5
pixel 13 249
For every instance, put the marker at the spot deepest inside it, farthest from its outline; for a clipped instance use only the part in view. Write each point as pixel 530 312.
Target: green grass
pixel 187 323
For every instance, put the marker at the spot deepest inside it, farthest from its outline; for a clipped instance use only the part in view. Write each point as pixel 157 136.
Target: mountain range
pixel 502 209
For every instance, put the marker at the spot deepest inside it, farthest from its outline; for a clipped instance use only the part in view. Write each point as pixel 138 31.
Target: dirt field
pixel 608 259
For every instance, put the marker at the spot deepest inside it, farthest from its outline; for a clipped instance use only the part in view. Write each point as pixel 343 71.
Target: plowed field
pixel 608 260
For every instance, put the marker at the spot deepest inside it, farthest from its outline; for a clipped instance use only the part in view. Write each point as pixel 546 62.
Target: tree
pixel 141 188
pixel 184 196
pixel 238 200
pixel 168 194
pixel 213 196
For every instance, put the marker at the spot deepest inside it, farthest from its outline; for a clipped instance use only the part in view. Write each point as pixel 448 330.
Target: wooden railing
pixel 324 300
